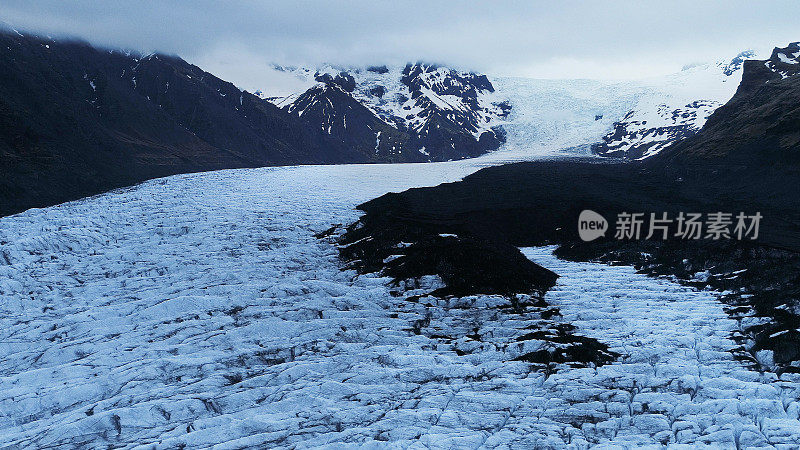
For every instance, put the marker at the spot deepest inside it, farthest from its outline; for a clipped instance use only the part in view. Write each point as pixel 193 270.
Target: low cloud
pixel 238 40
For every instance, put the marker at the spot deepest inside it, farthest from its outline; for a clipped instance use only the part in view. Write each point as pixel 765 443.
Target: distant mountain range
pixel 412 98
pixel 76 120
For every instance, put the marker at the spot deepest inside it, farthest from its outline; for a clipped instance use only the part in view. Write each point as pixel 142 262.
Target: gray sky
pixel 237 40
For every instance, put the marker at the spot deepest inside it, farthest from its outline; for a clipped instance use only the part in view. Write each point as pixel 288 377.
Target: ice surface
pixel 130 317
pixel 200 310
pixel 677 380
pixel 561 114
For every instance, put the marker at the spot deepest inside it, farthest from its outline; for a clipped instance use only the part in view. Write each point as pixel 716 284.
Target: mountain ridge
pixel 439 113
pixel 673 109
pixel 76 120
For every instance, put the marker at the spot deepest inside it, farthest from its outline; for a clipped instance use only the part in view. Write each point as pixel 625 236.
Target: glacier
pixel 203 311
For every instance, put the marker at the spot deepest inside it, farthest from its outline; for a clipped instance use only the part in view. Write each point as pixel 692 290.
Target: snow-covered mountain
pixel 416 112
pixel 431 113
pixel 672 108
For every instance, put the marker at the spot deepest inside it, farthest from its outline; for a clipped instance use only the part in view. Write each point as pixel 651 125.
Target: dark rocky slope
pixel 76 121
pixel 747 159
pixel 333 111
pixel 758 130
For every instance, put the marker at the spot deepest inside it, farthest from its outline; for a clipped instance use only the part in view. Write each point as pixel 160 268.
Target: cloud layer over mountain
pixel 238 40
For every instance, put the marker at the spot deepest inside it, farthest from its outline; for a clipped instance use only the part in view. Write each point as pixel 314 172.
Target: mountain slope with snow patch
pixel 672 108
pixel 438 113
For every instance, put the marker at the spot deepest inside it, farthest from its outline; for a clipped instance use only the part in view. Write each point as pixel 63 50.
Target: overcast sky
pixel 237 40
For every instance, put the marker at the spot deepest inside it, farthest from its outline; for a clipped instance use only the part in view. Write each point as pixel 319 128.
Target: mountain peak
pixel 787 55
pixel 433 112
pixel 343 79
pixel 782 63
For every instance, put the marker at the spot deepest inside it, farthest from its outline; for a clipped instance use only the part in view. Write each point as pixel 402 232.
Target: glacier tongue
pixel 200 310
pixel 561 114
pixel 196 303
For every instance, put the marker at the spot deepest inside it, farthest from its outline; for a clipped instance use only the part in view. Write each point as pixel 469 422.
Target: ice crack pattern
pixel 200 310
